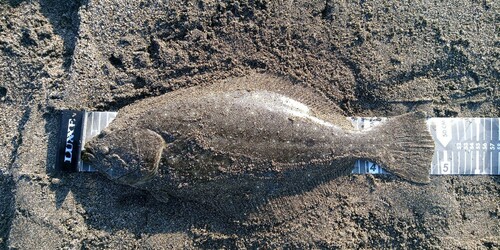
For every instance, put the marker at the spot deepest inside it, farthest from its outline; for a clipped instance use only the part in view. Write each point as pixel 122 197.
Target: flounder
pixel 238 144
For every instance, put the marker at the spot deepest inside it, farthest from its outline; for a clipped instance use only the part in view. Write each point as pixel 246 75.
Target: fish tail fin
pixel 406 148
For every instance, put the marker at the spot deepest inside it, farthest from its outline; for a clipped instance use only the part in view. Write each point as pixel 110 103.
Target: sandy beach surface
pixel 372 58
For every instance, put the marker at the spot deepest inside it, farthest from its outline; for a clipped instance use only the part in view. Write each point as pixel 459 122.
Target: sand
pixel 369 57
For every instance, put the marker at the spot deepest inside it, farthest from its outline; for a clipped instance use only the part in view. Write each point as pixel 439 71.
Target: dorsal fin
pixel 319 104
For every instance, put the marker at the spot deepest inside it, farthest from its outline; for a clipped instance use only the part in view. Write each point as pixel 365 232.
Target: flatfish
pixel 245 143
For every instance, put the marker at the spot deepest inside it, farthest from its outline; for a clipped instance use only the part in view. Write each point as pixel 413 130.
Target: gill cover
pixel 128 156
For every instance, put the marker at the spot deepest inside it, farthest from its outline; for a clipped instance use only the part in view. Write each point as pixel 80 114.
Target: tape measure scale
pixel 463 146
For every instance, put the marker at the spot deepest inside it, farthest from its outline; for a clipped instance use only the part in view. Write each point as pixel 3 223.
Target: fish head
pixel 124 156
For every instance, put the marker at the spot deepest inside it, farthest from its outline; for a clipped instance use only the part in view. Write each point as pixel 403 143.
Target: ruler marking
pixel 464 168
pixel 491 129
pixel 478 122
pixel 92 124
pixel 491 163
pixel 476 170
pixel 484 129
pixel 445 160
pixel 483 166
pixel 465 131
pixel 454 146
pixel 452 163
pixel 432 163
pixel 99 122
pixel 470 128
pixel 111 118
pixel 85 128
pixel 83 137
pixel 89 124
pixel 465 162
pixel 104 120
pixel 471 162
pixel 438 164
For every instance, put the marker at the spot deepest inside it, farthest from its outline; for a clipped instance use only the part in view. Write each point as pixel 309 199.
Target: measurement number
pixel 477 146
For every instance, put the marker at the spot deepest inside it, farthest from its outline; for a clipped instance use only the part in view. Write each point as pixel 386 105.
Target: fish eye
pixel 88 155
pixel 104 150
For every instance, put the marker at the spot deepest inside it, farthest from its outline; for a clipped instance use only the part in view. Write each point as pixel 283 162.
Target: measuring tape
pixel 463 146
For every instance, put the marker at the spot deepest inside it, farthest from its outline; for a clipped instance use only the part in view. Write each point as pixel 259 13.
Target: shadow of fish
pixel 241 143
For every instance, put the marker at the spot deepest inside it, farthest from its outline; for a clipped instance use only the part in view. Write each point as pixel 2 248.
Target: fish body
pixel 238 144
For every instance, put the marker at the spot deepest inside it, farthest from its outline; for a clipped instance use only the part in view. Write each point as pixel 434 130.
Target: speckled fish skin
pixel 248 140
